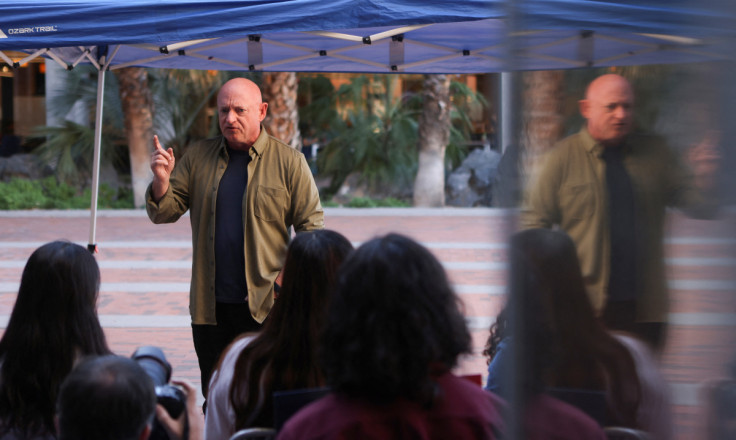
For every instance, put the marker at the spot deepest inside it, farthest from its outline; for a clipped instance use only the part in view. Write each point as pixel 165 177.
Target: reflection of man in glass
pixel 608 188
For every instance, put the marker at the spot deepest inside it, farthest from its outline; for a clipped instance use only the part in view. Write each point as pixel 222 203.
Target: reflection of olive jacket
pixel 281 193
pixel 569 190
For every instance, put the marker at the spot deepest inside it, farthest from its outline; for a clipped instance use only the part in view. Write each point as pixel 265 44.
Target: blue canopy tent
pixel 409 36
pixel 380 36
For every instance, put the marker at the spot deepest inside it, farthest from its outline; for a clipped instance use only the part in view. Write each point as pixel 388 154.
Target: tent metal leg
pixel 507 110
pixel 92 245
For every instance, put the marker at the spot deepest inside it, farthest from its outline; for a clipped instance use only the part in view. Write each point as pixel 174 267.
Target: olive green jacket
pixel 281 193
pixel 569 190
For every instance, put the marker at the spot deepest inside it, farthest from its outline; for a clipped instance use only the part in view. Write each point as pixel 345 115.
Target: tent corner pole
pixel 92 245
pixel 507 110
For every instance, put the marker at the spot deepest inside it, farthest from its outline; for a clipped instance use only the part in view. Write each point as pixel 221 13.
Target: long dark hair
pixel 394 323
pixel 283 355
pixel 563 343
pixel 53 323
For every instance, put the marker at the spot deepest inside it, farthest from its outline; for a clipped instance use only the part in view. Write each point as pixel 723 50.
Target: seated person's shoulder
pixel 548 417
pixel 316 419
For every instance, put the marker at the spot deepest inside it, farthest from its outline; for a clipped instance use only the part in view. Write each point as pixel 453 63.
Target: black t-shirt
pixel 230 286
pixel 622 284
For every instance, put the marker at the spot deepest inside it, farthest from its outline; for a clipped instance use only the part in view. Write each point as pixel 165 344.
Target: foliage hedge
pixel 50 194
pixel 367 202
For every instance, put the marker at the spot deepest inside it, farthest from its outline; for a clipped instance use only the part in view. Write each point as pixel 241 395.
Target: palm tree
pixel 137 106
pixel 282 120
pixel 434 135
pixel 369 131
pixel 68 148
pixel 542 113
pixel 374 134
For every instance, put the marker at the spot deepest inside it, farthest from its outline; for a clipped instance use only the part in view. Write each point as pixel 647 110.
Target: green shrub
pixel 367 202
pixel 391 202
pixel 124 199
pixel 21 194
pixel 48 193
pixel 362 202
pixel 107 198
pixel 59 195
pixel 330 204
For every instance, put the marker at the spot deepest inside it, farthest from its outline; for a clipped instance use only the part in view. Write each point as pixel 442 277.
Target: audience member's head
pixel 394 323
pixel 552 321
pixel 106 398
pixel 54 321
pixel 283 356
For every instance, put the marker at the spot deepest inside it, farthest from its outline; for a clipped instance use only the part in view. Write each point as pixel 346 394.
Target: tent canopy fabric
pixel 380 36
pixel 79 22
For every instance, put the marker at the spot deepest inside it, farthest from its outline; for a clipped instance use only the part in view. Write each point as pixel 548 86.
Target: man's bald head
pixel 608 108
pixel 240 109
pixel 242 86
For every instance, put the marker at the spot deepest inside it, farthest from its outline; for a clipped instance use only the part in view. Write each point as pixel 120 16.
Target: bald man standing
pixel 245 190
pixel 609 188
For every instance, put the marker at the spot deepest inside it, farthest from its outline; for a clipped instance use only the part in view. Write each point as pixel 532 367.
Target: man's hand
pixel 704 160
pixel 176 428
pixel 162 163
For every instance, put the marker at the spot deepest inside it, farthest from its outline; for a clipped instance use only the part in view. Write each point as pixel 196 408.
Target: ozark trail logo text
pixel 27 30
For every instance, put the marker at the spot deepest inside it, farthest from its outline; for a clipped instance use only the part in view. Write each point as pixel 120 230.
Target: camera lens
pixel 153 361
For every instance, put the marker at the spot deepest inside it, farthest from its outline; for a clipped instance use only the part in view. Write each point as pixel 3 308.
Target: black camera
pixel 154 363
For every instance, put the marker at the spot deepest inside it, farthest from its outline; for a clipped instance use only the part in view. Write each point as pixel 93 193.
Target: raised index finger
pixel 159 148
pixel 157 144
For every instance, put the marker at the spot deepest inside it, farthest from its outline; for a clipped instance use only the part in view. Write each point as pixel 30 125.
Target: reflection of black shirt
pixel 230 284
pixel 622 283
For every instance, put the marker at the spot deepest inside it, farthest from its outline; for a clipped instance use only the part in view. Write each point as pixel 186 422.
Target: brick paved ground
pixel 146 270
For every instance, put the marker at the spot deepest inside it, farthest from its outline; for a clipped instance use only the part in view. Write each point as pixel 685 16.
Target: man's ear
pixel 145 433
pixel 262 111
pixel 584 106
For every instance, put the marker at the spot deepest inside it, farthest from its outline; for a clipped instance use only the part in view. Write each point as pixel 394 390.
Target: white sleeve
pixel 655 411
pixel 219 421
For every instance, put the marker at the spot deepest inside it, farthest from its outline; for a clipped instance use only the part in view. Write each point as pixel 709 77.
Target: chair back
pixel 591 402
pixel 720 400
pixel 287 403
pixel 254 434
pixel 622 433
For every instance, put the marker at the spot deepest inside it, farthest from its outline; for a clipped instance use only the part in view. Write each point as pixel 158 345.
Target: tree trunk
pixel 434 134
pixel 137 105
pixel 282 119
pixel 542 113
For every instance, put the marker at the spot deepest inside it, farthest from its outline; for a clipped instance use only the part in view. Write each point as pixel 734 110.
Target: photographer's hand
pixel 177 428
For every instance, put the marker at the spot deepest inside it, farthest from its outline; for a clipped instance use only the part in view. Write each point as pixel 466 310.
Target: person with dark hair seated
pixel 283 355
pixel 53 324
pixel 106 398
pixel 113 398
pixel 562 344
pixel 393 333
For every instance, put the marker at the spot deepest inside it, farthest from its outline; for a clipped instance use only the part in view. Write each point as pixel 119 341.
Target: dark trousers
pixel 211 340
pixel 621 315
